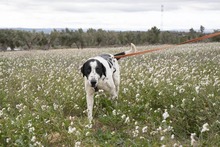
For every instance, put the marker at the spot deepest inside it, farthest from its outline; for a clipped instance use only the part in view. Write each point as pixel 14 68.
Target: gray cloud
pixel 106 6
pixel 109 13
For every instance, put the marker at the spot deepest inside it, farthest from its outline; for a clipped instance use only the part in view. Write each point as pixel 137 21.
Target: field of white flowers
pixel 167 98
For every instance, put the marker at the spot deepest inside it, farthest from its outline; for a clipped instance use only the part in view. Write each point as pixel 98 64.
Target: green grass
pixel 42 99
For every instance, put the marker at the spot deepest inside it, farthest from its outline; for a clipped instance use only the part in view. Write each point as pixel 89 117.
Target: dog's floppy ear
pixel 82 69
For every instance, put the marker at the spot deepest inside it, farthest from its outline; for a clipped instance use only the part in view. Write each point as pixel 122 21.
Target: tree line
pixel 68 38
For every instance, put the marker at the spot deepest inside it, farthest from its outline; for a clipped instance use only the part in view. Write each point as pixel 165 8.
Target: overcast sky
pixel 110 14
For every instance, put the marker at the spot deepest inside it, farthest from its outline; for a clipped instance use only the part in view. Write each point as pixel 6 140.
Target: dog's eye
pixel 98 69
pixel 88 70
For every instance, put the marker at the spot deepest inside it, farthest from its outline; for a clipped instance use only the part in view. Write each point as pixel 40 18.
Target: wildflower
pixel 144 129
pixel 114 112
pixel 183 103
pixel 1 113
pixel 123 116
pixel 205 128
pixel 193 141
pixel 181 90
pixel 77 144
pixel 162 138
pixel 172 136
pixel 55 106
pixel 8 140
pixel 31 129
pixel 127 120
pixel 71 129
pixel 33 139
pixel 71 118
pixel 171 106
pixel 165 114
pixel 89 126
pixel 87 133
pixel 197 89
pixel 135 133
pixel 137 95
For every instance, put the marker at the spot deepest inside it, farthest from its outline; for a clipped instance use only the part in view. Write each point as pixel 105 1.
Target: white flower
pixel 71 129
pixel 172 136
pixel 144 129
pixel 123 116
pixel 1 113
pixel 77 144
pixel 205 128
pixel 127 120
pixel 197 89
pixel 8 140
pixel 135 133
pixel 55 106
pixel 87 133
pixel 33 139
pixel 193 141
pixel 165 114
pixel 114 112
pixel 31 129
pixel 89 126
pixel 137 95
pixel 162 138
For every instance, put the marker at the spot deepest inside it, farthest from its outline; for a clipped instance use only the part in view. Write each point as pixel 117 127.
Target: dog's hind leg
pixel 112 90
pixel 116 77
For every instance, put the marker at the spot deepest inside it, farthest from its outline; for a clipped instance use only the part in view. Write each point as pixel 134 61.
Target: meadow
pixel 167 98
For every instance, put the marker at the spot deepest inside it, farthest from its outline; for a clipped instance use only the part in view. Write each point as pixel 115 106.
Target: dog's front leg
pixel 90 102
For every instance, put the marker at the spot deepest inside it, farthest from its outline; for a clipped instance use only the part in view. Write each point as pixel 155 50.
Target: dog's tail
pixel 132 50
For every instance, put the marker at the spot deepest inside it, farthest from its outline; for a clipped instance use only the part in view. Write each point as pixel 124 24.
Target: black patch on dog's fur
pixel 86 68
pixel 108 58
pixel 100 69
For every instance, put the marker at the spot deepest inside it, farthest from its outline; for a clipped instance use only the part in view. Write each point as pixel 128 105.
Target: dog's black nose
pixel 93 83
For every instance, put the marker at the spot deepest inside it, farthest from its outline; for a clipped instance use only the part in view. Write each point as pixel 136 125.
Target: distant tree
pixel 100 36
pixel 80 41
pixel 29 39
pixel 192 33
pixel 169 37
pixel 3 40
pixel 90 39
pixel 202 29
pixel 9 38
pixel 153 35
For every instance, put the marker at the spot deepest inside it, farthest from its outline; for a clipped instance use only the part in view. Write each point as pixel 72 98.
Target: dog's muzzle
pixel 94 85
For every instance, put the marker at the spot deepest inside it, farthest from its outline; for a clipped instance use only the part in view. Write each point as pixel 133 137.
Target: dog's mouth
pixel 95 88
pixel 94 85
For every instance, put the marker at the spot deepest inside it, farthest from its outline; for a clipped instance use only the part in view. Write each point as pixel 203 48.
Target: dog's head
pixel 93 70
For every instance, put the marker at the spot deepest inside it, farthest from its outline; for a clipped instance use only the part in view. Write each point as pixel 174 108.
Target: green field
pixel 166 98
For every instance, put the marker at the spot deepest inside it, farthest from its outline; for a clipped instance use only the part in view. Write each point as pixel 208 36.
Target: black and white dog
pixel 102 72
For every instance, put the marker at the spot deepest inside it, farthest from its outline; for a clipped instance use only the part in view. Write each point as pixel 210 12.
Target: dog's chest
pixel 103 84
